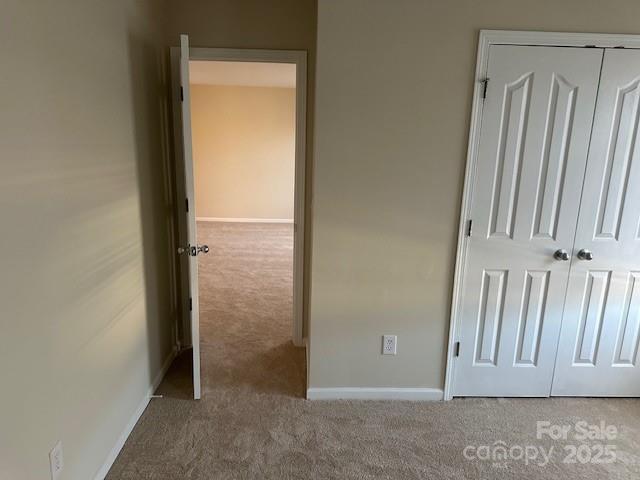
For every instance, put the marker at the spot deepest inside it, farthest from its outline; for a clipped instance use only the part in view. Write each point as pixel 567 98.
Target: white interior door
pixel 598 349
pixel 191 249
pixel 536 123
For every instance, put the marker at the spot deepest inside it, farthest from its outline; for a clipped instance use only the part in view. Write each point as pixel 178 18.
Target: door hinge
pixel 181 94
pixel 190 303
pixel 456 349
pixel 186 203
pixel 485 84
pixel 469 228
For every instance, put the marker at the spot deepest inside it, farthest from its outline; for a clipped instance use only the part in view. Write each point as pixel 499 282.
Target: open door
pixel 188 247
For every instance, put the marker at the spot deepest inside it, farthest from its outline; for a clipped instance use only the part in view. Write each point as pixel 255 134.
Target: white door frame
pixel 299 58
pixel 486 39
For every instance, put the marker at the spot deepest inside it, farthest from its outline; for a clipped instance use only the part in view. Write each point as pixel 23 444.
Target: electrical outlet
pixel 56 461
pixel 389 344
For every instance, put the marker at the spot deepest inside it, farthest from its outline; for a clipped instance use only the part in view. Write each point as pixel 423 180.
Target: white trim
pixel 486 39
pixel 384 393
pixel 299 58
pixel 244 220
pixel 299 196
pixel 113 454
pixel 307 352
pixel 556 39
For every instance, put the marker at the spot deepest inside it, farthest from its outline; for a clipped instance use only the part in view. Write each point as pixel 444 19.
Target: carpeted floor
pixel 253 422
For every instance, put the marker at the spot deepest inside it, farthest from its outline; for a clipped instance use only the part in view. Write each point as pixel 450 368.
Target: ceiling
pixel 246 74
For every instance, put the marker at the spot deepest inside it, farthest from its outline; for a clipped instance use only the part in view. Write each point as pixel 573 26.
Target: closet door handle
pixel 585 254
pixel 561 254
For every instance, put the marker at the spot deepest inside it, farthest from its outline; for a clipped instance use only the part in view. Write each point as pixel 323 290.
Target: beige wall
pixel 394 84
pixel 244 151
pixel 85 310
pixel 273 24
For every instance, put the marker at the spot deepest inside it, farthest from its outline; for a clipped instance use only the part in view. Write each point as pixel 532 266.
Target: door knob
pixel 585 254
pixel 192 251
pixel 561 254
pixel 189 250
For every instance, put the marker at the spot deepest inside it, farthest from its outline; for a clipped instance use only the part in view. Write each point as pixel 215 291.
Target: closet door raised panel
pixel 536 124
pixel 598 350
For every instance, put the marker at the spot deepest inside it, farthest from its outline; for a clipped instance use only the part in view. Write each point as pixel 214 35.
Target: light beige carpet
pixel 253 422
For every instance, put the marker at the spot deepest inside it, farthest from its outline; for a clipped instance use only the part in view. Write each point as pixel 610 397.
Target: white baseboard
pixel 113 454
pixel 348 393
pixel 244 220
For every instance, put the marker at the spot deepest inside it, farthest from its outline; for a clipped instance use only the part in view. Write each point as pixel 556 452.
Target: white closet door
pixel 536 124
pixel 598 350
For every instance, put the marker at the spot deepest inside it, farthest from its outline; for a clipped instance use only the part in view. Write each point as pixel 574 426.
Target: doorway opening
pixel 240 120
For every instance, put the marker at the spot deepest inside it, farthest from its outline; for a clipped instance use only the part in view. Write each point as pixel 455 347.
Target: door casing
pixel 486 39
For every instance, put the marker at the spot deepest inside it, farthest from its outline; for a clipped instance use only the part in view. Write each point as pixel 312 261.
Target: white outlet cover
pixel 56 461
pixel 389 344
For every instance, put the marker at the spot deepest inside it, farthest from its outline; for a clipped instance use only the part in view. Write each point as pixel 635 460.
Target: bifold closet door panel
pixel 536 124
pixel 598 348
